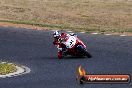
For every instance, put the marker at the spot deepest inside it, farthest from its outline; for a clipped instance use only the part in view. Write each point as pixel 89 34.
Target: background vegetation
pixel 89 15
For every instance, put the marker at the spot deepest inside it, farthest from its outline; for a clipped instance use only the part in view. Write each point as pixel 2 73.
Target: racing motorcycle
pixel 75 47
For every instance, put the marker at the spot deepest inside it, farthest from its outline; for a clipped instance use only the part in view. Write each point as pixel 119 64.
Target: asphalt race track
pixel 34 49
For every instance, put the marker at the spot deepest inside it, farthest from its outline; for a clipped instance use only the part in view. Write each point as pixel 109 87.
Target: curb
pixel 20 71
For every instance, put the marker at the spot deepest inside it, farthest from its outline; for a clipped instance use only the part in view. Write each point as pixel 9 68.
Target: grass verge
pixel 35 24
pixel 75 28
pixel 6 68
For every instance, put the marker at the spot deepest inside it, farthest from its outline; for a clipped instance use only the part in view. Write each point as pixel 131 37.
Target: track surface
pixel 34 48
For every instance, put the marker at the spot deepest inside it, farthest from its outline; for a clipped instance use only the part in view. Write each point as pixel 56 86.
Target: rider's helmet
pixel 56 34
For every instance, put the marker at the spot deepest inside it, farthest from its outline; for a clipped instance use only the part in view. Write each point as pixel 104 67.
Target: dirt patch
pixel 6 24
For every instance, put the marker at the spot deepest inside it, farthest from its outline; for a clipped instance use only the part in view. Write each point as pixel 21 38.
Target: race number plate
pixel 70 42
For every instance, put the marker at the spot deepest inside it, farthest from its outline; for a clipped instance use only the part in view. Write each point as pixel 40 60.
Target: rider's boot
pixel 59 54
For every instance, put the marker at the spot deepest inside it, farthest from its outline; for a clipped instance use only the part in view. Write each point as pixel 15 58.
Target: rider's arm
pixel 58 45
pixel 55 42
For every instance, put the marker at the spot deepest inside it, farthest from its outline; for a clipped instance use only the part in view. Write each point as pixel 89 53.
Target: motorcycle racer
pixel 69 44
pixel 58 39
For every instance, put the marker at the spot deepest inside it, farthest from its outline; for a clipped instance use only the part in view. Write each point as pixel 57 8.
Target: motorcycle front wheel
pixel 88 54
pixel 81 49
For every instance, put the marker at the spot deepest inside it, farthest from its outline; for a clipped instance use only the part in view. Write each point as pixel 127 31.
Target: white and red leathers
pixel 57 42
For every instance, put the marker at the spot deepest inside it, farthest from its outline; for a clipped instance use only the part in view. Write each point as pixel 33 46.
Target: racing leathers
pixel 62 50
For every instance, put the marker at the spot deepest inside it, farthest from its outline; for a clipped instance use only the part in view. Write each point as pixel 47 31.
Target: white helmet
pixel 56 34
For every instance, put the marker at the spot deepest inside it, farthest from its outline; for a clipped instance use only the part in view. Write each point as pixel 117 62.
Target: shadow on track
pixel 74 57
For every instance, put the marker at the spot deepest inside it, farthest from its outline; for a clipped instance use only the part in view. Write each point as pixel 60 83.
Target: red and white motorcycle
pixel 75 47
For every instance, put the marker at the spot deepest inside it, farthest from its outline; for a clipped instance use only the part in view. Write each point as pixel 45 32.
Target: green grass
pixel 6 68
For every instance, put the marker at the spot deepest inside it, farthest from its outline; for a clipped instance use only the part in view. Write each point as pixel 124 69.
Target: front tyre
pixel 88 54
pixel 81 49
